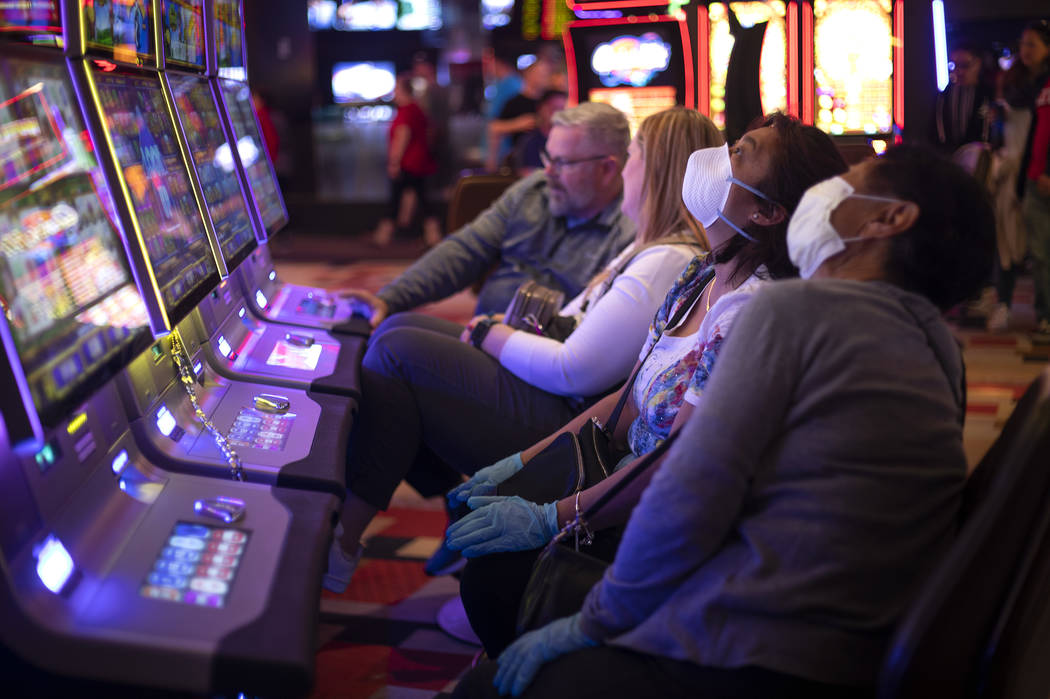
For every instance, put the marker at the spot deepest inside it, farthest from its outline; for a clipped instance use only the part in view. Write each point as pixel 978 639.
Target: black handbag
pixel 573 462
pixel 563 574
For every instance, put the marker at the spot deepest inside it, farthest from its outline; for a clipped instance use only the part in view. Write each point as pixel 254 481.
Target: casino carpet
pixel 380 639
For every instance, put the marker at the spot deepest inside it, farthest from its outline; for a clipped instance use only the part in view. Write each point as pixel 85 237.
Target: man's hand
pixel 367 304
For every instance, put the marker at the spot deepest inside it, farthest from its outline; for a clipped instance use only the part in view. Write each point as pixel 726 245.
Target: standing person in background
pixel 501 72
pixel 518 116
pixel 434 99
pixel 527 155
pixel 960 114
pixel 409 162
pixel 1035 170
pixel 1015 95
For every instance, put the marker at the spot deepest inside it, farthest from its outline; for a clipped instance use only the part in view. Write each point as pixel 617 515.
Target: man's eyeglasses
pixel 559 163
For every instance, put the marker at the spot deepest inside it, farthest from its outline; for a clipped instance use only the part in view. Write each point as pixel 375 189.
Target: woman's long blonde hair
pixel 666 140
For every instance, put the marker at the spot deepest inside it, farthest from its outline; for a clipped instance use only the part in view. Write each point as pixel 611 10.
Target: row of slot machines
pixel 174 416
pixel 837 64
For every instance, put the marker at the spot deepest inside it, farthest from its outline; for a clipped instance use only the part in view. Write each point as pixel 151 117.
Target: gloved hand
pixel 501 523
pixel 484 482
pixel 521 660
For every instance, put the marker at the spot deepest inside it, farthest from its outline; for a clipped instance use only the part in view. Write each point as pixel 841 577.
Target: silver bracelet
pixel 581 523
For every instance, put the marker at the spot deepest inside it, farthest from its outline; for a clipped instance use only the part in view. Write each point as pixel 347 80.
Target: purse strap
pixel 614 417
pixel 622 267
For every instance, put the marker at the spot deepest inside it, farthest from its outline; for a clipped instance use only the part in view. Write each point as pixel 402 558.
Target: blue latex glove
pixel 501 523
pixel 523 658
pixel 485 480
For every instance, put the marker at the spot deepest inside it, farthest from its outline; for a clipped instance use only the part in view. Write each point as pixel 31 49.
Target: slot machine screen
pixel 363 81
pixel 229 39
pixel 183 35
pixel 30 15
pixel 638 67
pixel 197 565
pixel 853 66
pixel 119 29
pixel 252 151
pixel 144 139
pixel 773 74
pixel 214 164
pixel 74 311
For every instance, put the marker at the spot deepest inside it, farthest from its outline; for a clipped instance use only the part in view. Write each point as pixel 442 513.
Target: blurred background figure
pixel 1035 168
pixel 1017 89
pixel 518 116
pixel 409 163
pixel 962 112
pixel 504 82
pixel 526 156
pixel 433 98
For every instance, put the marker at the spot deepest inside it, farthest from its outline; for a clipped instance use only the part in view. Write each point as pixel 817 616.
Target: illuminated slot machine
pixel 269 298
pixel 275 432
pixel 112 567
pixel 234 341
pixel 640 65
pixel 758 42
pixel 853 69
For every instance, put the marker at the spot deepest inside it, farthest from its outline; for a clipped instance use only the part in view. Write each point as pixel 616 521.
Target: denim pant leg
pixel 426 390
pixel 1035 207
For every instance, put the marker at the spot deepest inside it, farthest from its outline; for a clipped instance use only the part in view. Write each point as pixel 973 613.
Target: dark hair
pixel 945 256
pixel 1018 86
pixel 1040 27
pixel 551 94
pixel 806 155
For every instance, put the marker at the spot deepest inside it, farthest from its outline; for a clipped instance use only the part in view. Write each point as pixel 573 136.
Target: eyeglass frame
pixel 557 164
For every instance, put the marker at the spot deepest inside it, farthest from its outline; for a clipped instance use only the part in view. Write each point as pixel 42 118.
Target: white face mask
pixel 705 187
pixel 811 239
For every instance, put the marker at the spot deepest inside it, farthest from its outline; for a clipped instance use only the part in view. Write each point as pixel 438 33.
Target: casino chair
pixel 472 195
pixel 980 624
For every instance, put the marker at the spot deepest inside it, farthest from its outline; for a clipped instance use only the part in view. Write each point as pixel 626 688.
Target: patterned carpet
pixel 380 639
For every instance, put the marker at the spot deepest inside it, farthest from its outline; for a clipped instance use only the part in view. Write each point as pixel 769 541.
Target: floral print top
pixel 678 368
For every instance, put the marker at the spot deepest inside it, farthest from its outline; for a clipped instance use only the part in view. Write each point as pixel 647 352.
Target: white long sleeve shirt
pixel 602 349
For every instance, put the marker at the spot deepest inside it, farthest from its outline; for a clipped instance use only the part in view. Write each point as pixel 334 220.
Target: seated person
pixel 427 392
pixel 559 232
pixel 744 196
pixel 527 154
pixel 818 477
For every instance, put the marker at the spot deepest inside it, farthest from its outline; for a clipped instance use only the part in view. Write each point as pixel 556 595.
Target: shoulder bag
pixel 563 574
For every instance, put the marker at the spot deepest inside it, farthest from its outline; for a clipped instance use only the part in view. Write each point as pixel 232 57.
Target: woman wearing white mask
pixel 743 195
pixel 819 474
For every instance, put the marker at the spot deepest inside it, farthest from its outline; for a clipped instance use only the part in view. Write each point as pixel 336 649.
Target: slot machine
pixel 853 70
pixel 640 65
pixel 747 61
pixel 114 569
pixel 268 297
pixel 235 342
pixel 183 412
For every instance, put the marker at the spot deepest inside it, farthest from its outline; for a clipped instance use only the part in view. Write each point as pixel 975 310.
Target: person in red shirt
pixel 409 163
pixel 1035 206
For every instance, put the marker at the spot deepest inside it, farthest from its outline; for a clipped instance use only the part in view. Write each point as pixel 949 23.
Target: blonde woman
pixel 428 394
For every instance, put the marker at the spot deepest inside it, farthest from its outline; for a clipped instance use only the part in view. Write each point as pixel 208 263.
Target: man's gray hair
pixel 606 125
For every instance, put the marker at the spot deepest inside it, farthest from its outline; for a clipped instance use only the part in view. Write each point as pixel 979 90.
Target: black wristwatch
pixel 480 330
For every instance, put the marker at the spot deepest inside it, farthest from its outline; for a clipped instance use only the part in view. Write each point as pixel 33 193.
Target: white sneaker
pixel 341 566
pixel 999 318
